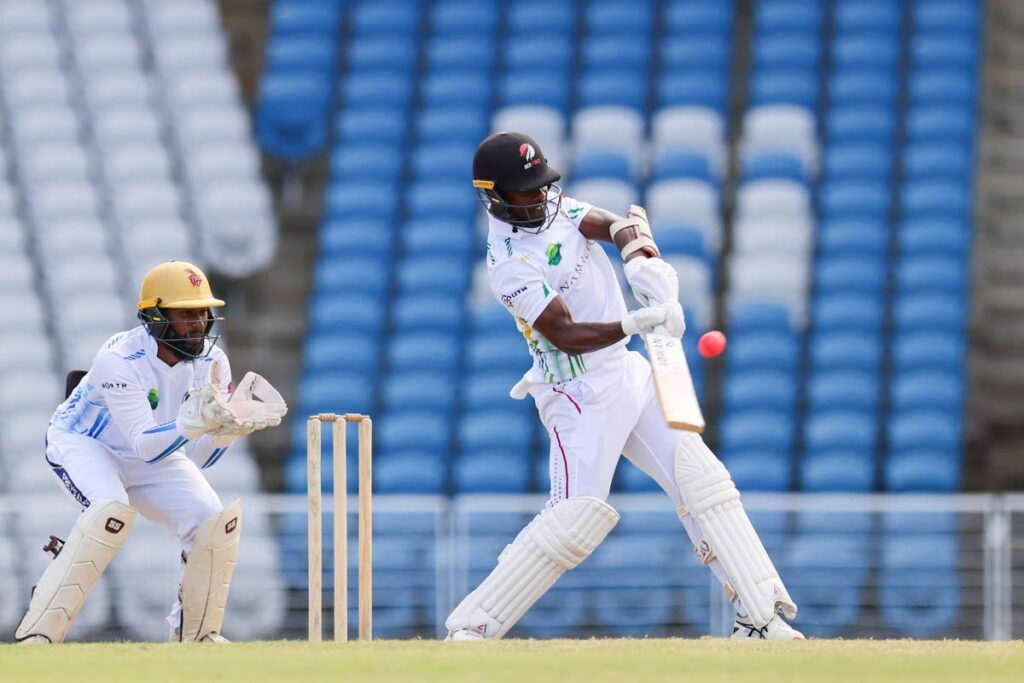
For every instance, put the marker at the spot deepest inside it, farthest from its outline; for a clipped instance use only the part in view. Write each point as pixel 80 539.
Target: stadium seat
pixel 491 472
pixel 431 391
pixel 843 390
pixel 757 430
pixel 759 469
pixel 840 429
pixel 920 598
pixel 841 350
pixel 408 473
pixel 922 429
pixel 838 469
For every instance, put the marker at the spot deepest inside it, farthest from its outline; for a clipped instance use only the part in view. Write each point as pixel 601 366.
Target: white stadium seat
pixel 32 125
pixel 137 161
pixel 781 128
pixel 24 16
pixel 690 129
pixel 694 203
pixel 608 128
pixel 125 124
pixel 776 197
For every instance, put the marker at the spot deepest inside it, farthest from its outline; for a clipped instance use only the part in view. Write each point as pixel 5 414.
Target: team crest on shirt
pixel 554 254
pixel 154 398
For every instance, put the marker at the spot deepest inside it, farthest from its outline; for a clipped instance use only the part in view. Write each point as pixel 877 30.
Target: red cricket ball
pixel 711 344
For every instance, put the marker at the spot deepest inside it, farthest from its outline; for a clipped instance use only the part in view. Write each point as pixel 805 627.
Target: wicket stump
pixel 315 528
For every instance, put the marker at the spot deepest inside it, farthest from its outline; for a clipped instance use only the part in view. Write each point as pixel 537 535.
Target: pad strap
pixel 97 536
pixel 642 239
pixel 555 541
pixel 208 570
pixel 712 499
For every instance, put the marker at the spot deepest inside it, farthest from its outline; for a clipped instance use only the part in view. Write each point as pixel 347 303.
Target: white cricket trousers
pixel 171 492
pixel 591 422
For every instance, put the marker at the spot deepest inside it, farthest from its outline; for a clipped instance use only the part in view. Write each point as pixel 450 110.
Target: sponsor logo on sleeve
pixel 507 299
pixel 114 385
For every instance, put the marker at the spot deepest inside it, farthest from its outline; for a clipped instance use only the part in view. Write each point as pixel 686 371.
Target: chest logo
pixel 154 398
pixel 554 254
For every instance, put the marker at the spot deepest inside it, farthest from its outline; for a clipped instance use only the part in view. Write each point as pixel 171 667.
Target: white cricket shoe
pixel 465 634
pixel 34 640
pixel 214 638
pixel 776 629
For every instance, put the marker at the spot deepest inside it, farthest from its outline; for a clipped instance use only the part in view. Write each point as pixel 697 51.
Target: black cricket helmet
pixel 513 162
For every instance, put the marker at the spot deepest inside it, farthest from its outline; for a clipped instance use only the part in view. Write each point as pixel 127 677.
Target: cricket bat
pixel 673 382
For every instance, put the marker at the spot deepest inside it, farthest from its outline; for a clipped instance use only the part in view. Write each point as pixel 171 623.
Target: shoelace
pixel 751 630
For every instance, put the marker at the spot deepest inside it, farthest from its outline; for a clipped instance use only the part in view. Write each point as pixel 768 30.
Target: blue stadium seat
pixel 423 351
pixel 855 198
pixel 920 430
pixel 645 605
pixel 862 87
pixel 308 53
pixel 853 274
pixel 600 53
pixel 930 198
pixel 491 471
pixel 763 350
pixel 372 162
pixel 928 50
pixel 785 86
pixel 786 50
pixel 421 431
pixel 291 114
pixel 942 86
pixel 759 469
pixel 328 392
pixel 542 17
pixel 349 312
pixel 467 87
pixel 920 590
pixel 432 275
pixel 863 123
pixel 491 317
pixel 367 237
pixel 940 351
pixel 464 18
pixel 453 200
pixel 947 237
pixel 759 317
pixel 847 312
pixel 774 165
pixel 408 473
pixel 503 350
pixel 931 273
pixel 301 17
pixel 602 165
pixel 446 161
pixel 923 470
pixel 787 15
pixel 366 199
pixel 422 391
pixel 946 15
pixel 927 390
pixel 757 430
pixel 341 351
pixel 868 17
pixel 928 311
pixel 829 573
pixel 858 161
pixel 938 161
pixel 390 88
pixel 854 350
pixel 629 478
pixel 538 52
pixel 447 53
pixel 350 274
pixel 437 238
pixel 496 430
pixel 611 87
pixel 837 468
pixel 846 430
pixel 527 86
pixel 766 389
pixel 853 237
pixel 843 390
pixel 695 17
pixel 428 311
pixel 484 391
pixel 366 54
pixel 386 18
pixel 382 125
pixel 696 87
pixel 618 17
pixel 940 123
pixel 681 241
pixel 451 125
pixel 876 51
pixel 675 164
pixel 705 52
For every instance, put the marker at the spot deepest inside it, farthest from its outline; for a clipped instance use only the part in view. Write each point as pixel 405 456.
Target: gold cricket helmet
pixel 176 284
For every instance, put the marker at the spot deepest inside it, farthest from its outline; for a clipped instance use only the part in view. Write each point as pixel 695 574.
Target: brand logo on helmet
pixel 194 278
pixel 527 152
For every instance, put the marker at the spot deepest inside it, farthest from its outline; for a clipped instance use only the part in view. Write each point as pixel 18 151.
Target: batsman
pixel 155 407
pixel 596 399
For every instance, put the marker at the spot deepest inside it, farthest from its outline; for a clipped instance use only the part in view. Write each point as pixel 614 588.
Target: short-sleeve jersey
pixel 527 271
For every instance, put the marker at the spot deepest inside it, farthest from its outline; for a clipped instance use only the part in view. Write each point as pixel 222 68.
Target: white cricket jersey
pixel 528 271
pixel 129 400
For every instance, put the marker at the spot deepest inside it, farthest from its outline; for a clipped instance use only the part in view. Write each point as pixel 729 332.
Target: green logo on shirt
pixel 575 211
pixel 154 398
pixel 554 254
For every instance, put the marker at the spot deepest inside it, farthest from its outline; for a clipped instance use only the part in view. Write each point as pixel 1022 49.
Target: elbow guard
pixel 639 233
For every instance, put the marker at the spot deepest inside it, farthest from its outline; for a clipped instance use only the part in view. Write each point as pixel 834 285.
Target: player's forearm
pixel 159 441
pixel 203 452
pixel 576 338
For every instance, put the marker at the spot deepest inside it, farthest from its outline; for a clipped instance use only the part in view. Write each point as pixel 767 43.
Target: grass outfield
pixel 706 660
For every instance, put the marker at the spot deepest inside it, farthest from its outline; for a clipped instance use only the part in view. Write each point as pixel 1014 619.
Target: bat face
pixel 673 383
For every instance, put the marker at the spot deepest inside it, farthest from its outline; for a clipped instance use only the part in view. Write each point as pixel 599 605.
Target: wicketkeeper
pixel 596 398
pixel 155 407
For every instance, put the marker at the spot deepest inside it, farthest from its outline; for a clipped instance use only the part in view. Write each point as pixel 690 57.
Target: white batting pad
pixel 208 570
pixel 557 540
pixel 712 498
pixel 97 536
